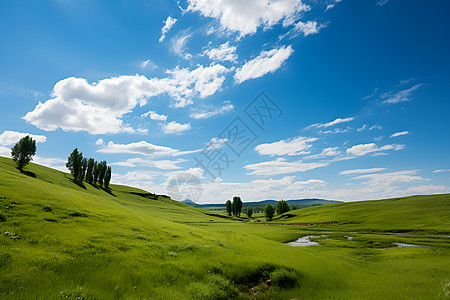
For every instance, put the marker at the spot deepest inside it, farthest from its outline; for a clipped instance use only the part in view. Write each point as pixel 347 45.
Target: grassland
pixel 66 240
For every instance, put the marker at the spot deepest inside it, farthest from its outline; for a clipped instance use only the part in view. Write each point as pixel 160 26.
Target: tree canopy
pixel 23 151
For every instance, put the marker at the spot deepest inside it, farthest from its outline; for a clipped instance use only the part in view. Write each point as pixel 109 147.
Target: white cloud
pixel 362 128
pixel 174 127
pixel 402 96
pixel 147 64
pixel 6 152
pixel 98 108
pixel 294 146
pixel 399 134
pixel 363 149
pixel 384 179
pixel 326 152
pixel 9 138
pixel 361 171
pixel 332 123
pixel 225 52
pixel 179 44
pixel 154 116
pixel 281 166
pixel 308 28
pixel 441 171
pixel 99 142
pixel 213 111
pixel 382 2
pixel 143 148
pixel 266 62
pixel 245 17
pixel 168 23
pixel 54 163
pixel 160 164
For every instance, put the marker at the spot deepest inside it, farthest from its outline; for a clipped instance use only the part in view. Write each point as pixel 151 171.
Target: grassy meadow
pixel 60 239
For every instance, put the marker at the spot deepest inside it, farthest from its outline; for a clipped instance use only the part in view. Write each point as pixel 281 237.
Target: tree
pixel 249 211
pixel 282 207
pixel 96 171
pixel 269 211
pixel 90 170
pixel 74 163
pixel 84 163
pixel 228 206
pixel 23 151
pixel 102 171
pixel 237 205
pixel 107 177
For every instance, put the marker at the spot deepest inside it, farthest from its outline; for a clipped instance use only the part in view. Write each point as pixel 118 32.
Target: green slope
pixel 80 242
pixel 420 214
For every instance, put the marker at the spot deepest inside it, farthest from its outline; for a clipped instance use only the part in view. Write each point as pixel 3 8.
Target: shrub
pixel 77 213
pixel 283 278
pixel 47 208
pixel 2 218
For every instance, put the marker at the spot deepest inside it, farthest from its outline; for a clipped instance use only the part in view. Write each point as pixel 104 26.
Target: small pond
pixel 304 241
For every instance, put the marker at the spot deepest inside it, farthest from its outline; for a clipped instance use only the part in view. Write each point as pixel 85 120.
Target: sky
pixel 208 99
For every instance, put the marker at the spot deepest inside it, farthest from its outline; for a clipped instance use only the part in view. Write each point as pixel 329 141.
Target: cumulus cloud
pixel 174 127
pixel 9 138
pixel 304 28
pixel 143 148
pixel 361 171
pixel 225 52
pixel 154 116
pixel 266 62
pixel 382 179
pixel 294 146
pixel 212 111
pixel 245 17
pixel 99 142
pixel 399 134
pixel 281 166
pixel 401 96
pixel 98 108
pixel 168 23
pixel 363 149
pixel 329 124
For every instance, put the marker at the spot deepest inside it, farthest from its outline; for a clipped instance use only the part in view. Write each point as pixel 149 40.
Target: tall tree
pixel 107 177
pixel 282 207
pixel 84 163
pixel 237 204
pixel 74 163
pixel 269 211
pixel 90 170
pixel 249 212
pixel 102 171
pixel 23 151
pixel 96 171
pixel 228 207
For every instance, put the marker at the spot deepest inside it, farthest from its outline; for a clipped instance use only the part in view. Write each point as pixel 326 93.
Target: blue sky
pixel 353 95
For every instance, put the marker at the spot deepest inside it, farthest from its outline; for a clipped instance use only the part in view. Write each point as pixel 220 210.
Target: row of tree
pixel 234 208
pixel 89 170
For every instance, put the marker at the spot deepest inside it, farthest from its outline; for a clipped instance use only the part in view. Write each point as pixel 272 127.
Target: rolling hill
pixel 61 239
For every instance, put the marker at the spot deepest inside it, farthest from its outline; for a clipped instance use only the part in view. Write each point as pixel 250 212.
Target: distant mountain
pixel 190 202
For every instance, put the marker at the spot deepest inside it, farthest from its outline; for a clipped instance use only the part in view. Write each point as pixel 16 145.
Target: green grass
pixel 416 214
pixel 68 241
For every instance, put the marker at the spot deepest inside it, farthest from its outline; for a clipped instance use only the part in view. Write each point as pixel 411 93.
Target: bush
pixel 215 287
pixel 283 278
pixel 76 213
pixel 2 218
pixel 47 208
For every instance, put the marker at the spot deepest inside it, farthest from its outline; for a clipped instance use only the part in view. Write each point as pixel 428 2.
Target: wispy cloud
pixel 399 134
pixel 168 23
pixel 143 148
pixel 361 171
pixel 401 96
pixel 332 123
pixel 281 166
pixel 213 111
pixel 363 149
pixel 294 146
pixel 382 2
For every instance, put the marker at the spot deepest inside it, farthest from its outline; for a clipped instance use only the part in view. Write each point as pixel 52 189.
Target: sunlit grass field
pixel 64 240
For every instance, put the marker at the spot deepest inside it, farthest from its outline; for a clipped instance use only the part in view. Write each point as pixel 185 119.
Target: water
pixel 304 241
pixel 402 245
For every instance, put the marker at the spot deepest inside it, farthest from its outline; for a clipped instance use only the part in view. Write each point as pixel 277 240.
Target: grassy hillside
pixel 64 240
pixel 420 214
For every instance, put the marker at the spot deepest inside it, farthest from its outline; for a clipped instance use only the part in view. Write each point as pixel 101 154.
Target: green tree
pixel 107 177
pixel 90 170
pixel 282 207
pixel 249 211
pixel 23 151
pixel 228 207
pixel 237 205
pixel 269 211
pixel 102 171
pixel 96 171
pixel 84 163
pixel 74 163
